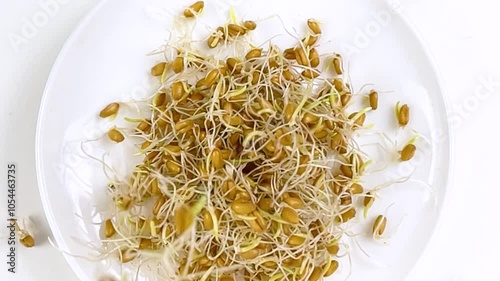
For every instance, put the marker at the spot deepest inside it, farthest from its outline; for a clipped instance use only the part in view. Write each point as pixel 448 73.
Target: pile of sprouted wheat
pixel 250 168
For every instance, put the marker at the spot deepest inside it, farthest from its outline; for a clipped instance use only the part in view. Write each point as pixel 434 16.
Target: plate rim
pixel 449 133
pixel 54 228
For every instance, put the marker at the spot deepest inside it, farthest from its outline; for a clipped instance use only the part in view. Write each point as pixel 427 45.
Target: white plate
pixel 105 60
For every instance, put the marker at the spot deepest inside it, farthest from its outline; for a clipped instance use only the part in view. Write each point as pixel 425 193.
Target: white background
pixel 462 36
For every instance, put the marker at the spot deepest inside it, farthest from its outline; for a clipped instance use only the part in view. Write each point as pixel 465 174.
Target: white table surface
pixel 464 39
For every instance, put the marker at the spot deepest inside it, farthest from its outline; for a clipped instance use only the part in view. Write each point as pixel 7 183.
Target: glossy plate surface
pixel 106 60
